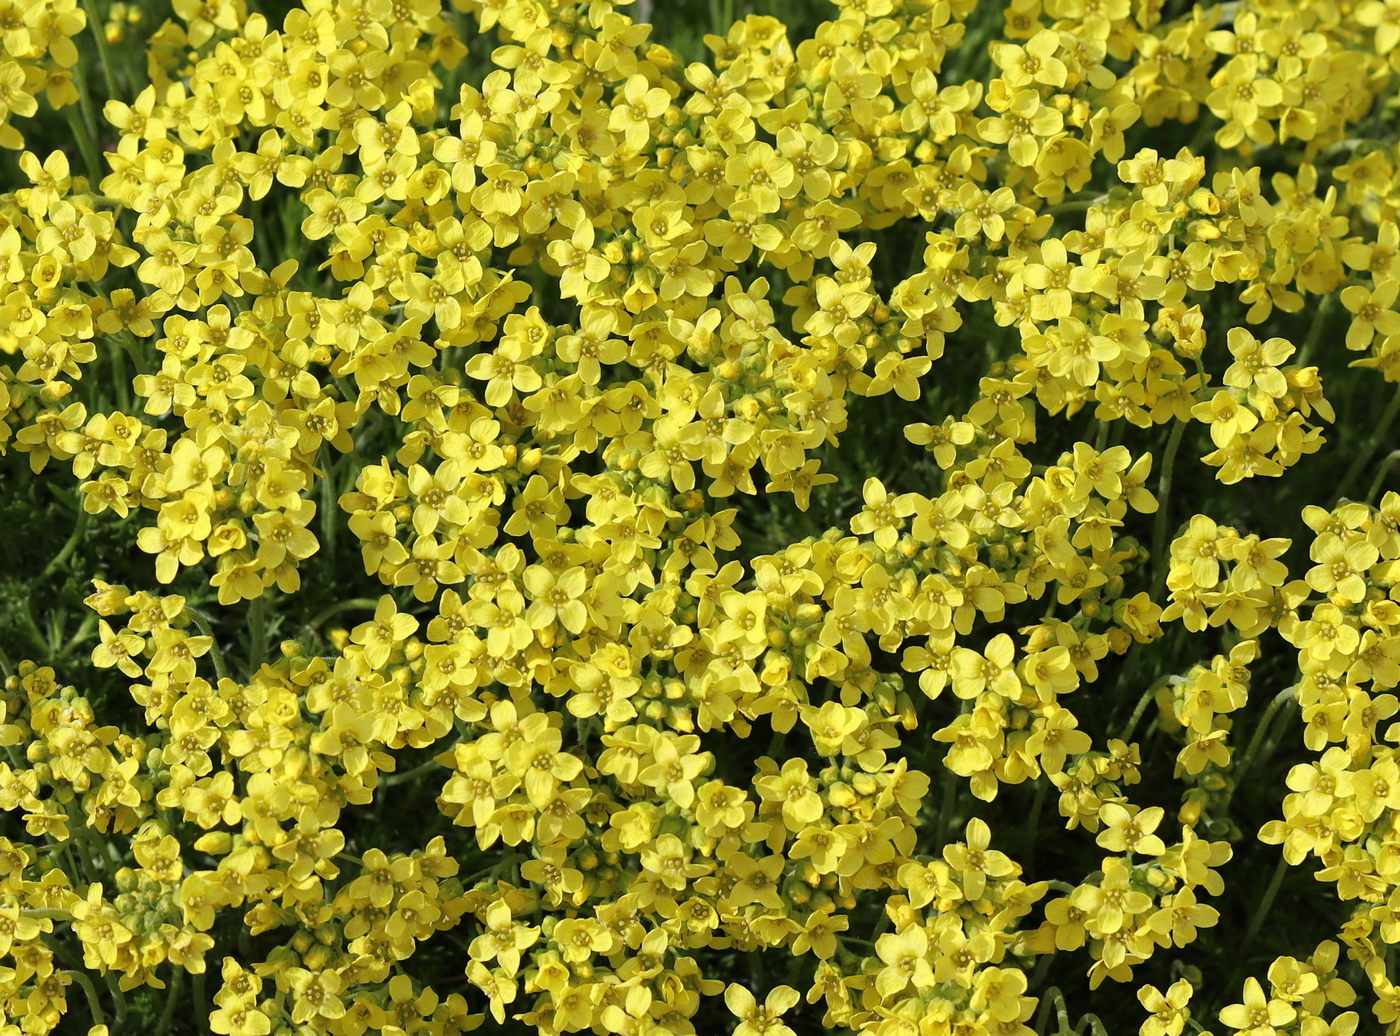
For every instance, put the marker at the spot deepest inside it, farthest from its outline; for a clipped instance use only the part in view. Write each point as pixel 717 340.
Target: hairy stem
pixel 1262 911
pixel 1379 434
pixel 1164 489
pixel 90 991
pixel 206 627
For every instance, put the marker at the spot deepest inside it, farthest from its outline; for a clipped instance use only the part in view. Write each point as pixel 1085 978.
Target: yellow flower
pixel 760 1021
pixel 639 104
pixel 991 669
pixel 380 635
pixel 1256 364
pixel 883 514
pixel 556 595
pixel 1169 1011
pixel 1371 312
pixel 1258 1015
pixel 118 649
pixel 1022 124
pixel 1130 831
pixel 972 861
pixel 905 956
pixel 1033 63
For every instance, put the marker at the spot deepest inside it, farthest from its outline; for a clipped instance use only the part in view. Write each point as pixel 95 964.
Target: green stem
pixel 55 636
pixel 81 137
pixel 83 125
pixel 177 983
pixel 395 779
pixel 79 527
pixel 103 56
pixel 66 954
pixel 1315 331
pixel 1042 968
pixel 94 844
pixel 79 874
pixel 83 632
pixel 257 628
pixel 1037 806
pixel 206 627
pixel 1042 1014
pixel 1262 911
pixel 48 913
pixel 122 378
pixel 1061 1009
pixel 1138 710
pixel 131 345
pixel 471 879
pixel 32 628
pixel 79 835
pixel 945 805
pixel 329 515
pixel 1076 205
pixel 119 1000
pixel 335 609
pixel 1377 434
pixel 1265 722
pixel 1381 472
pixel 1092 1022
pixel 94 1004
pixel 1204 133
pixel 201 1002
pixel 775 745
pixel 1164 489
pixel 497 868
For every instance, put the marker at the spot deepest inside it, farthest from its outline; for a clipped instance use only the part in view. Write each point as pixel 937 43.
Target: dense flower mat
pixel 880 530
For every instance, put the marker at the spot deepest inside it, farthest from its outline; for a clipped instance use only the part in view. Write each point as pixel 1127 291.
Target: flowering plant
pixel 884 528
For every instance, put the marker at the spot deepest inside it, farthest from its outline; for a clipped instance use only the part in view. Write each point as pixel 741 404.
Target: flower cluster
pixel 536 348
